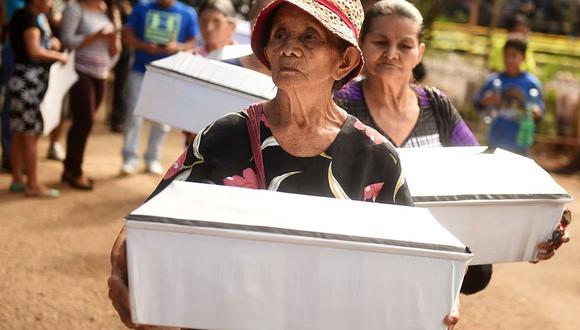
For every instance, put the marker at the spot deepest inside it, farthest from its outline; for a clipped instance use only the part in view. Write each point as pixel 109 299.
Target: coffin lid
pixel 276 213
pixel 217 73
pixel 474 174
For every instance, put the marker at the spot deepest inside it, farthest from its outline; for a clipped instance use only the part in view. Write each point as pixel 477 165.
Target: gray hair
pixel 399 8
pixel 226 7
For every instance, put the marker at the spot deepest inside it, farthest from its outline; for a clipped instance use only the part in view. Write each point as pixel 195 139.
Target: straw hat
pixel 341 17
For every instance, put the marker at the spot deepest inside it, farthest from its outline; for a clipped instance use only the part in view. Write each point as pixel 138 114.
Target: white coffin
pixel 500 205
pixel 213 257
pixel 189 92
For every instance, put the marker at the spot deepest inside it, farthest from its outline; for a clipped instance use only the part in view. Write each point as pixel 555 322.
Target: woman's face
pixel 301 51
pixel 216 29
pixel 391 48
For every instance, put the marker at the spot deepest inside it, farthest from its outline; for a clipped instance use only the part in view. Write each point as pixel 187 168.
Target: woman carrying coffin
pixel 309 144
pixel 407 114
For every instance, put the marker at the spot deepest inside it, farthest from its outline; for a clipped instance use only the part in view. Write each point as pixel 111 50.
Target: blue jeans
pixel 7 68
pixel 134 124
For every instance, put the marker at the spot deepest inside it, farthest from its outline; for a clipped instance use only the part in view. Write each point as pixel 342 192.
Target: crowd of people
pixel 122 37
pixel 336 122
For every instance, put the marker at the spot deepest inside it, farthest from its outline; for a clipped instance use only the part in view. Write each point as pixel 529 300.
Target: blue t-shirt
pixel 155 24
pixel 13 5
pixel 515 95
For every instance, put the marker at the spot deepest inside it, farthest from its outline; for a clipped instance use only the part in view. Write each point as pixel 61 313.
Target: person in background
pixel 7 66
pixel 154 31
pixel 515 97
pixel 55 149
pixel 34 51
pixel 518 27
pixel 91 28
pixel 409 115
pixel 217 23
pixel 388 100
pixel 121 71
pixel 250 61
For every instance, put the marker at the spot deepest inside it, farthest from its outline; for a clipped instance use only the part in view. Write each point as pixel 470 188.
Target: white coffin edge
pixel 500 217
pixel 189 92
pixel 173 205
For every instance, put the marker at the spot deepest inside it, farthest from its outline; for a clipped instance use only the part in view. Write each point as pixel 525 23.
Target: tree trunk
pixel 474 12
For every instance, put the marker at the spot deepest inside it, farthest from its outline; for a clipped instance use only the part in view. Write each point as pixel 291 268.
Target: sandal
pixel 16 187
pixel 43 193
pixel 81 183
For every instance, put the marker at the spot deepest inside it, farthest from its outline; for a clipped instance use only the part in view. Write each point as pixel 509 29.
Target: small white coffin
pixel 500 204
pixel 213 257
pixel 189 92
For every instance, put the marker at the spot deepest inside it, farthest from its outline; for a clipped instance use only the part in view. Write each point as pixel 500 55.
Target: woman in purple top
pixel 407 114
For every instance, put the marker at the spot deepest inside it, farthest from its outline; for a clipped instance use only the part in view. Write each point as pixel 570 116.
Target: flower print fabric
pixel 359 165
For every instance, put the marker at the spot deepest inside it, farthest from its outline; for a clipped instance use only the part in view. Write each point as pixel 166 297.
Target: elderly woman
pixel 405 113
pixel 301 141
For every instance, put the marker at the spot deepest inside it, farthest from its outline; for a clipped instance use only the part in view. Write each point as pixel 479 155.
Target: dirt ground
pixel 54 254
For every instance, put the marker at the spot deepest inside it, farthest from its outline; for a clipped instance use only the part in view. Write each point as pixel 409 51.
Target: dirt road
pixel 54 255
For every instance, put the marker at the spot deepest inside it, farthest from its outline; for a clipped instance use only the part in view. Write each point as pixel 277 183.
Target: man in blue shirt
pixel 509 95
pixel 155 30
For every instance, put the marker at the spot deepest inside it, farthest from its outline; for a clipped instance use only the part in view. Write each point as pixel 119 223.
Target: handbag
pixel 253 122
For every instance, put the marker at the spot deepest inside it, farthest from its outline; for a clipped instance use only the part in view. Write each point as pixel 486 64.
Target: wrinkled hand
pixel 119 283
pixel 559 236
pixel 452 319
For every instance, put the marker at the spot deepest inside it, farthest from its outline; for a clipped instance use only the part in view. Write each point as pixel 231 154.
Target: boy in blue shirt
pixel 509 95
pixel 155 30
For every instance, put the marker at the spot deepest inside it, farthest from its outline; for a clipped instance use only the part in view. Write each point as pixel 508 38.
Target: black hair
pixel 516 43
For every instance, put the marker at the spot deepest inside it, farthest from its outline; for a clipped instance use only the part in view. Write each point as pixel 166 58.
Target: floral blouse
pixel 360 164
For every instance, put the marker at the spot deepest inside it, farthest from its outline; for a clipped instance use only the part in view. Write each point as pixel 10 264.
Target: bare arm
pixel 115 38
pixel 115 44
pixel 72 17
pixel 36 52
pixel 132 41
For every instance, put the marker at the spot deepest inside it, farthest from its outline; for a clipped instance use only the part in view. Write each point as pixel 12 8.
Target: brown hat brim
pixel 325 16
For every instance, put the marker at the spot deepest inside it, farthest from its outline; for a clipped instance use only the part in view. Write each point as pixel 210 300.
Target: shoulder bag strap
pixel 253 123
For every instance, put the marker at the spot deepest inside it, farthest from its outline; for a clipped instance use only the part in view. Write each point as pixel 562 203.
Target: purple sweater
pixel 439 124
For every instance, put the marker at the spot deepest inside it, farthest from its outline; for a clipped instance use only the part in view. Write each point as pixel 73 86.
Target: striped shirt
pixel 77 23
